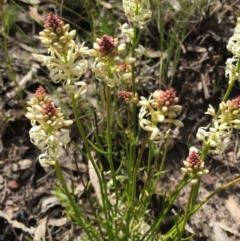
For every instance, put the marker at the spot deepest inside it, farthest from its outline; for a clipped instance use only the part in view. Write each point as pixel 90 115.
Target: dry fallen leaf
pixel 32 2
pixel 17 224
pixel 94 180
pixel 57 222
pixel 1 179
pixel 23 82
pixel 40 232
pixel 155 54
pixel 218 233
pixel 234 209
pixel 106 5
pixel 24 164
pixel 35 15
pixel 47 203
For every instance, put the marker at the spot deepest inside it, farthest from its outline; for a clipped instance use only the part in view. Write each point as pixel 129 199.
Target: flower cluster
pixel 47 132
pixel 66 61
pixel 128 97
pixel 127 32
pixel 218 136
pixel 137 11
pixel 193 165
pixel 161 107
pixel 233 64
pixel 230 112
pixel 108 65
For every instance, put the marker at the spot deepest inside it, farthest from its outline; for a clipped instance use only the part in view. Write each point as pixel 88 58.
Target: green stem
pixel 134 84
pixel 173 233
pixel 133 144
pixel 189 203
pixel 165 151
pixel 136 167
pixel 134 108
pixel 217 191
pixel 197 185
pixel 78 215
pixel 109 140
pixel 134 42
pixel 103 187
pixel 69 196
pixel 160 218
pixel 150 154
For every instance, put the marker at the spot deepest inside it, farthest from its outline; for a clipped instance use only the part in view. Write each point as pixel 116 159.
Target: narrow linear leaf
pixel 97 148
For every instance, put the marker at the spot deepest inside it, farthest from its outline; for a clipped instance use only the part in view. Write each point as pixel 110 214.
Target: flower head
pixel 219 134
pixel 110 65
pixel 66 59
pixel 162 107
pixel 235 103
pixel 217 137
pixel 40 92
pixel 193 165
pixel 137 11
pixel 106 45
pixel 128 97
pixel 234 42
pixel 166 101
pixel 159 108
pixel 230 112
pixel 53 23
pixel 232 64
pixel 127 32
pixel 232 71
pixel 47 120
pixel 125 71
pixel 56 34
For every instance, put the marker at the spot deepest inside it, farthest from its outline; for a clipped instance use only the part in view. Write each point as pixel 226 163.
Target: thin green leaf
pixel 97 148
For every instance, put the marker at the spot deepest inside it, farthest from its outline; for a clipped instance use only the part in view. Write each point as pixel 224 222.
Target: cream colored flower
pixel 211 111
pixel 44 140
pixel 138 12
pixel 156 135
pixel 64 67
pixel 49 157
pixel 217 137
pixel 76 88
pixel 232 71
pixel 234 42
pixel 65 61
pixel 127 32
pixel 139 51
pixel 232 64
pixel 193 165
pixel 109 66
pixel 47 132
pixel 160 108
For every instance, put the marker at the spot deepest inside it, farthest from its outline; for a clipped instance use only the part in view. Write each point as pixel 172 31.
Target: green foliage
pixel 8 18
pixel 173 27
pixel 61 194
